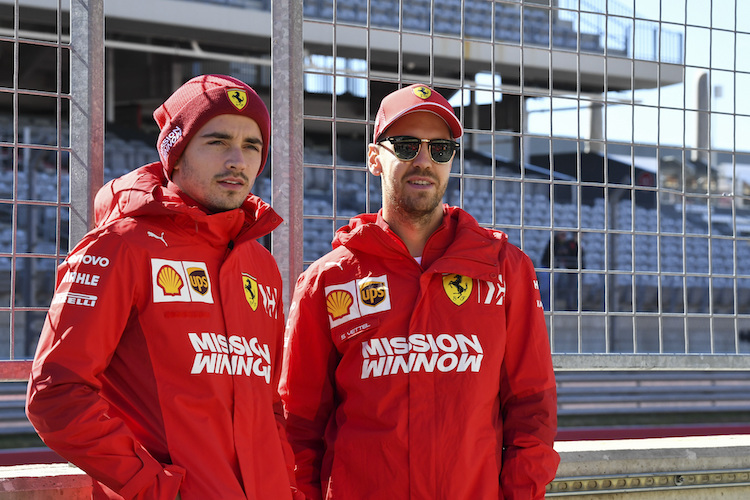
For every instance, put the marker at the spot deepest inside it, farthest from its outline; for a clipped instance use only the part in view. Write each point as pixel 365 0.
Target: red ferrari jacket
pixel 158 363
pixel 403 380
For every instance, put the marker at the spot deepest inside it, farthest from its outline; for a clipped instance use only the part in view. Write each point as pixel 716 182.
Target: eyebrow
pixel 224 135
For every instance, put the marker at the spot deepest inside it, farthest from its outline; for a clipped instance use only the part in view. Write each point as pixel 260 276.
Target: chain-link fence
pixel 605 137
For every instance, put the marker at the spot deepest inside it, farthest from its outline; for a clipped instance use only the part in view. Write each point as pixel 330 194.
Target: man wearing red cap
pixel 158 364
pixel 417 363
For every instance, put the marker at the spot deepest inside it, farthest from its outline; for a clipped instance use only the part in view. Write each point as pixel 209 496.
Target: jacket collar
pixel 457 241
pixel 147 192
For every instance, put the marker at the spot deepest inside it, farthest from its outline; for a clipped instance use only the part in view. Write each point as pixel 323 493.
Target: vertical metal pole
pixel 287 144
pixel 86 112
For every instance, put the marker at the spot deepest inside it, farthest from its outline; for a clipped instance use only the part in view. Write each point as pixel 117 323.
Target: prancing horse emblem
pixel 238 98
pixel 457 287
pixel 250 285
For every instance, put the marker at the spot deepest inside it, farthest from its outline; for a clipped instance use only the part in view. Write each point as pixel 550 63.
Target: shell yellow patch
pixel 238 98
pixel 169 280
pixel 338 303
pixel 457 287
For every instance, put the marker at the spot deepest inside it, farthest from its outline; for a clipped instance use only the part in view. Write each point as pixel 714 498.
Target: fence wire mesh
pixel 605 137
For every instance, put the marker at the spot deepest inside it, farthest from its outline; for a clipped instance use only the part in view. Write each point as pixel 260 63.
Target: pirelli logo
pixel 75 299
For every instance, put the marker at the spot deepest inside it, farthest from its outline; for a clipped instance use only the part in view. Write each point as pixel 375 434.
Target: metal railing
pixel 554 143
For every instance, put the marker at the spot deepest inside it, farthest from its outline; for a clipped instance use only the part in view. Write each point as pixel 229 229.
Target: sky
pixel 711 45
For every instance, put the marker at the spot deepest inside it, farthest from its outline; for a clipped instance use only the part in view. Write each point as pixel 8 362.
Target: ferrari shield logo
pixel 251 290
pixel 422 92
pixel 238 98
pixel 457 287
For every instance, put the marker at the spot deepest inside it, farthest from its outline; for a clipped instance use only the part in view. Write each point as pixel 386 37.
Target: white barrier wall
pixel 690 468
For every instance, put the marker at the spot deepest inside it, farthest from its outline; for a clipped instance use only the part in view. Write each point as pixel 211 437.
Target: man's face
pixel 414 188
pixel 220 163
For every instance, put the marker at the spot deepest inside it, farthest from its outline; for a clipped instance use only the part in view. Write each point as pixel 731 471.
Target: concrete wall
pixel 44 482
pixel 706 467
pixel 694 468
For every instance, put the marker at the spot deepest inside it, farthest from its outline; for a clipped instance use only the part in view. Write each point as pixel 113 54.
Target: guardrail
pixel 607 393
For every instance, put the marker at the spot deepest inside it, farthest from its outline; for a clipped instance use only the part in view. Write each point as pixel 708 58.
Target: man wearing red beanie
pixel 158 364
pixel 418 363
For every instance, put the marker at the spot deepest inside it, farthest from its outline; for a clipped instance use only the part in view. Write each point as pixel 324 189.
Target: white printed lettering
pixel 81 278
pixel 269 296
pixel 421 353
pixel 75 299
pixel 233 355
pixel 88 259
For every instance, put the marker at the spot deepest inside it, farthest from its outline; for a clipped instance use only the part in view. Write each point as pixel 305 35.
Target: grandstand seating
pixel 445 17
pixel 664 260
pixel 637 249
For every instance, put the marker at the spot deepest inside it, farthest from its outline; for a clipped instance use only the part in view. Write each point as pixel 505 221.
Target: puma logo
pixel 158 237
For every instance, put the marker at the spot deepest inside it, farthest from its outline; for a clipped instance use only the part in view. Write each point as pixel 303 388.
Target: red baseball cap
pixel 417 97
pixel 197 101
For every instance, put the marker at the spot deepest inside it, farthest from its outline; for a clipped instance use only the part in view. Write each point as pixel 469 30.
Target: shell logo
pixel 169 280
pixel 338 303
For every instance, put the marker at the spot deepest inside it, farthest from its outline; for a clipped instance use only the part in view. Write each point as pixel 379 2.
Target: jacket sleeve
pixel 527 390
pixel 278 410
pixel 97 288
pixel 307 383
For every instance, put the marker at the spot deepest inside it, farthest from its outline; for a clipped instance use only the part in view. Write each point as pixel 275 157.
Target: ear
pixel 178 164
pixel 373 160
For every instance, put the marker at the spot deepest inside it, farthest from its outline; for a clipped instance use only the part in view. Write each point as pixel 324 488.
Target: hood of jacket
pixel 147 192
pixel 458 237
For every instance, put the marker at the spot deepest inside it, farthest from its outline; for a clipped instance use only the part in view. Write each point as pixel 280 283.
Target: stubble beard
pixel 216 201
pixel 417 207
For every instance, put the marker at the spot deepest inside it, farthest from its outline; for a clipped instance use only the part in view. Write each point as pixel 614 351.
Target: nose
pixel 235 160
pixel 423 158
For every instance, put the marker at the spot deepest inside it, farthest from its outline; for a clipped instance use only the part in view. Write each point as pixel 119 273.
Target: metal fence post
pixel 287 144
pixel 86 112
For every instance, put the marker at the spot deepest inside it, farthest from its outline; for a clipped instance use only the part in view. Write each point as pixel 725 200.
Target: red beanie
pixel 195 103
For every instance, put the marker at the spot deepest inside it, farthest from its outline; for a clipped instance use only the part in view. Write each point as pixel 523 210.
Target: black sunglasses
pixel 407 148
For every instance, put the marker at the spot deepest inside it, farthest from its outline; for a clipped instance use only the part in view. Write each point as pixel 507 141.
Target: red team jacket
pixel 421 382
pixel 158 363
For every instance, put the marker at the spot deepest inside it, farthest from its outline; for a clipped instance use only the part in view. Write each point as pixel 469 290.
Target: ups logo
pixel 198 279
pixel 372 293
